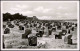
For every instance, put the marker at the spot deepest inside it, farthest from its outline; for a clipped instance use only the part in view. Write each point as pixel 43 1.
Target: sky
pixel 48 10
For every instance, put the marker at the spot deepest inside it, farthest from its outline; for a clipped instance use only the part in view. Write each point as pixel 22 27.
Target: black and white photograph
pixel 39 25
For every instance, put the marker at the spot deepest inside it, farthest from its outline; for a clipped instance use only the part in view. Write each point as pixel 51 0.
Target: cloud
pixel 66 14
pixel 62 7
pixel 27 12
pixel 46 10
pixel 15 9
pixel 46 18
pixel 19 8
pixel 22 6
pixel 42 9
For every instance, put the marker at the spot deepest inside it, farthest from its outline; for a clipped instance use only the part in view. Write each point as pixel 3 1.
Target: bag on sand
pixel 27 31
pixel 4 26
pixel 32 41
pixel 24 36
pixel 40 34
pixel 69 41
pixel 7 30
pixel 11 26
pixel 21 28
